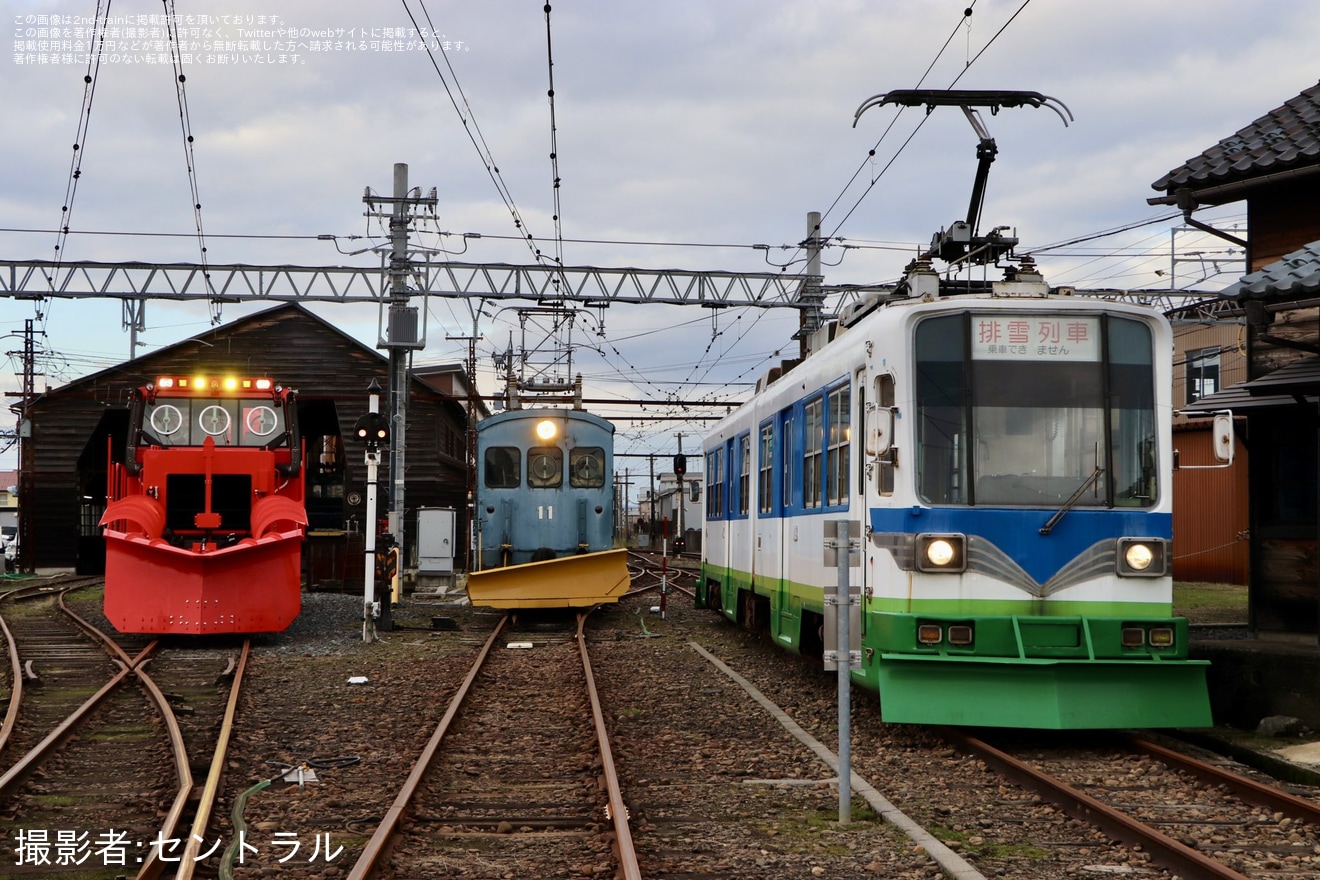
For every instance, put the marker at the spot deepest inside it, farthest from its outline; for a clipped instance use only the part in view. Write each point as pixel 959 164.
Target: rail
pixel 371 860
pixel 1177 857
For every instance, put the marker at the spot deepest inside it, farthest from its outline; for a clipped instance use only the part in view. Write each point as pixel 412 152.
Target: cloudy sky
pixel 686 132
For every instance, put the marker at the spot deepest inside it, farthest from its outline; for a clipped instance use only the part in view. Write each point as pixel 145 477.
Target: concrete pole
pixel 398 356
pixel 813 269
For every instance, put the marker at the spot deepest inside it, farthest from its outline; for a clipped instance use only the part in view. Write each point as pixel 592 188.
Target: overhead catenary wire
pixel 90 78
pixel 962 22
pixel 185 122
pixel 711 362
pixel 473 131
pixel 968 66
pixel 557 217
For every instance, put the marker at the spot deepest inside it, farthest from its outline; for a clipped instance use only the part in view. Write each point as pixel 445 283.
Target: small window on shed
pixel 503 467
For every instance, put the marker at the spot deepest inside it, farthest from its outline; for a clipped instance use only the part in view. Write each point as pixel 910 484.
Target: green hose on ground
pixel 240 827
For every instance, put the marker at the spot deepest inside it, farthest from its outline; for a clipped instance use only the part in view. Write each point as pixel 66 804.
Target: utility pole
pixel 27 480
pixel 135 321
pixel 404 331
pixel 811 287
pixel 470 446
pixel 650 508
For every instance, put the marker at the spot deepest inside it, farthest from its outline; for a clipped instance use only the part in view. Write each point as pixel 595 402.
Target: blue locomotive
pixel 545 511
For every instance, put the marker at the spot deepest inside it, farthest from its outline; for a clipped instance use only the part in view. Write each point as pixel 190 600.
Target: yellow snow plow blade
pixel 567 582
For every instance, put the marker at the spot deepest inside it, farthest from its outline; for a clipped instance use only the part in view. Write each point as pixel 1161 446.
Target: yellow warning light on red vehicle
pixel 208 383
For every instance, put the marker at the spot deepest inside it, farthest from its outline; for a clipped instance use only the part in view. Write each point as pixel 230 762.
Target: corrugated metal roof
pixel 1239 398
pixel 1287 137
pixel 1297 274
pixel 1300 376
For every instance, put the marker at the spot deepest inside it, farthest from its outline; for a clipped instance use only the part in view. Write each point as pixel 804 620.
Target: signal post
pixel 373 429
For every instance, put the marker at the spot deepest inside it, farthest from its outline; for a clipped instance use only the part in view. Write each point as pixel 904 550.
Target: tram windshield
pixel 188 421
pixel 1021 410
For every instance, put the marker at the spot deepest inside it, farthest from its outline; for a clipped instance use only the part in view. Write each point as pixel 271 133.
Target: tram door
pixel 789 474
pixel 768 529
pixel 858 487
pixel 876 483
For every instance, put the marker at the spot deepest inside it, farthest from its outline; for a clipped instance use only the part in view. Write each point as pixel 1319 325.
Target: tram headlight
pixel 944 553
pixel 1142 557
pixel 1138 557
pixel 545 429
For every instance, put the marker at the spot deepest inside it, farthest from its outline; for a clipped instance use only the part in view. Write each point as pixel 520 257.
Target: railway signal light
pixel 680 464
pixel 373 428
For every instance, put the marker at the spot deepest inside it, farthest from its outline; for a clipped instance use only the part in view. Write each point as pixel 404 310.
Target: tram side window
pixel 813 435
pixel 836 463
pixel 884 392
pixel 503 467
pixel 715 484
pixel 766 465
pixel 744 473
pixel 788 449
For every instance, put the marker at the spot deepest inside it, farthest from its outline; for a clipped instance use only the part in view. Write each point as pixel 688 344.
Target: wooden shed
pixel 79 428
pixel 1273 164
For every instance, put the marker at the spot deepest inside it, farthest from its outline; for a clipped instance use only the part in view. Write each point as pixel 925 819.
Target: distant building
pixel 671 507
pixel 8 498
pixel 80 428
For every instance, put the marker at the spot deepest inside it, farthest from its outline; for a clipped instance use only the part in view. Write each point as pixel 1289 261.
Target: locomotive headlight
pixel 546 429
pixel 943 553
pixel 1142 557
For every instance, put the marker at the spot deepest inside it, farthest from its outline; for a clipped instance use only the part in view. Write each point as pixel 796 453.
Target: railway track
pixel 519 773
pixel 1004 826
pixel 100 778
pixel 1198 819
pixel 652 572
pixel 712 789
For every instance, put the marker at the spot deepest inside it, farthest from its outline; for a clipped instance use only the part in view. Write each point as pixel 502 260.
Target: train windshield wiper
pixel 1072 500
